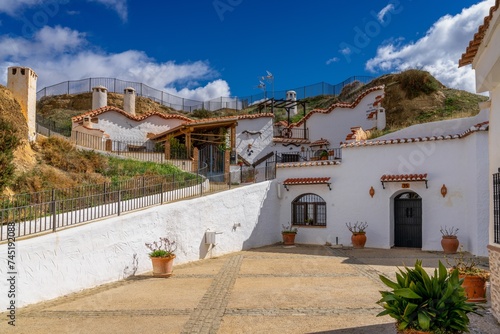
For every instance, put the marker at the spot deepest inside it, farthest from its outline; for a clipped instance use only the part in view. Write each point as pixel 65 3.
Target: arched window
pixel 309 209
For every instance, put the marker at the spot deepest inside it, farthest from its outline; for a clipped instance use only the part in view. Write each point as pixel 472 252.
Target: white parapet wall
pixel 78 258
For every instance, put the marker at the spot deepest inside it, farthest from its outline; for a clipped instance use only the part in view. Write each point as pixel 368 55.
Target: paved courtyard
pixel 302 289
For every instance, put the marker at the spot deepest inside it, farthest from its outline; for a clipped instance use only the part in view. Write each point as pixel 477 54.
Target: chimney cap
pixel 129 89
pixel 99 87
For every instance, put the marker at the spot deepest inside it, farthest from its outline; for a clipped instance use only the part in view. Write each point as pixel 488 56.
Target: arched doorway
pixel 408 220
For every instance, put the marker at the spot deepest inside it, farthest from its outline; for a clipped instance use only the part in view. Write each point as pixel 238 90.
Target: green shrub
pixel 416 82
pixel 9 141
pixel 429 303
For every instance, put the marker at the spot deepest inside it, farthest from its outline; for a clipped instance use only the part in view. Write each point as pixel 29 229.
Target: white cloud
pixel 60 54
pixel 345 51
pixel 332 60
pixel 212 90
pixel 120 6
pixel 438 51
pixel 13 7
pixel 383 11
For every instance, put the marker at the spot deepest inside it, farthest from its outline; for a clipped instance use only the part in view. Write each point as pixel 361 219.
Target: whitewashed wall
pixel 257 132
pixel 56 264
pixel 336 125
pixel 118 126
pixel 459 164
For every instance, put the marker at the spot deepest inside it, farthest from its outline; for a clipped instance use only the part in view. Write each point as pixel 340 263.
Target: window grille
pixel 309 209
pixel 496 208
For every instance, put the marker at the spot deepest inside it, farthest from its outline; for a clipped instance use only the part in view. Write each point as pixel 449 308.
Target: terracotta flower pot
pixel 358 239
pixel 450 244
pixel 162 266
pixel 475 288
pixel 288 238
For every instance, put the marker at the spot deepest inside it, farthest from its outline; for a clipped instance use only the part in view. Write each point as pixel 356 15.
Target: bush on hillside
pixel 416 82
pixel 9 141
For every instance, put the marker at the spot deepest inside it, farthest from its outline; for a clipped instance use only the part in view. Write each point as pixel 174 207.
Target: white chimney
pixel 129 100
pixel 291 95
pixel 99 97
pixel 21 81
pixel 87 122
pixel 381 121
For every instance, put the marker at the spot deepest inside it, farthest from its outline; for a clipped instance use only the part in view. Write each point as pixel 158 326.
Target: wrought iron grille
pixel 309 209
pixel 496 208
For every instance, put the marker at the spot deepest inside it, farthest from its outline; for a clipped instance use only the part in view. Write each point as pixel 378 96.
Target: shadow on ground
pixel 372 329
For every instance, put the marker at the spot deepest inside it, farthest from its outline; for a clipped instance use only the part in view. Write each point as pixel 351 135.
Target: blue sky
pixel 209 48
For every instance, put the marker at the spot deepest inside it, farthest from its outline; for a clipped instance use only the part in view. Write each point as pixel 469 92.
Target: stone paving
pixel 303 289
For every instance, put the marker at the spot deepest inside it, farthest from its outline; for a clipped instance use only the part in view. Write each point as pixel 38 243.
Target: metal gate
pixel 211 161
pixel 408 220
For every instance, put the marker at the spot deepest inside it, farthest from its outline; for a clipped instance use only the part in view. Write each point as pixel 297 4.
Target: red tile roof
pixel 307 180
pixel 403 177
pixel 102 110
pixel 320 142
pixel 290 140
pixel 341 105
pixel 308 163
pixel 484 126
pixel 471 51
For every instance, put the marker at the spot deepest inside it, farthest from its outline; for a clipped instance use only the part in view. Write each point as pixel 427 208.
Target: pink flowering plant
pixel 162 248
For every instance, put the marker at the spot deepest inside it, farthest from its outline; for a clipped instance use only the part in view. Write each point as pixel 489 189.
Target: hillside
pixel 411 97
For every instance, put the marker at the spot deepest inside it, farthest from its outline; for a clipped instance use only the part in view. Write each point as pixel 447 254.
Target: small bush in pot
pixel 358 237
pixel 474 278
pixel 288 233
pixel 433 304
pixel 162 256
pixel 449 242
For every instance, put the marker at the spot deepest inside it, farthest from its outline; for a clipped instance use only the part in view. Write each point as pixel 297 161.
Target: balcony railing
pixel 293 133
pixel 333 154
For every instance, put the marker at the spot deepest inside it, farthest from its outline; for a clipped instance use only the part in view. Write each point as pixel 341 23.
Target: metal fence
pixel 179 103
pixel 496 207
pixel 52 210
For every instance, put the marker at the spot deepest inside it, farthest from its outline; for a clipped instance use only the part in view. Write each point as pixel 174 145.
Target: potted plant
pixel 474 278
pixel 309 221
pixel 449 242
pixel 288 233
pixel 324 155
pixel 162 256
pixel 358 237
pixel 426 304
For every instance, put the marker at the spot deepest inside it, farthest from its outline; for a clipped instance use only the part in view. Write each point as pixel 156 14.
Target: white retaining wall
pixel 74 259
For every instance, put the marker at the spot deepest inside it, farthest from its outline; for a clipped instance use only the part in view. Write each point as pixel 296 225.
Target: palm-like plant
pixel 429 303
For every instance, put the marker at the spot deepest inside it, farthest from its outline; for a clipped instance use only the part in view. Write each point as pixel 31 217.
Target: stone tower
pixel 21 81
pixel 99 97
pixel 129 100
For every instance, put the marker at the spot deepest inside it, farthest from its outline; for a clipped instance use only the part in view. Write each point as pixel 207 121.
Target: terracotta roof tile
pixel 102 110
pixel 484 126
pixel 308 163
pixel 307 180
pixel 403 177
pixel 471 50
pixel 320 142
pixel 290 140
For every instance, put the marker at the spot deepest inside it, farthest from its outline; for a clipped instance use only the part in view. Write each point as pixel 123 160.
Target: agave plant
pixel 427 303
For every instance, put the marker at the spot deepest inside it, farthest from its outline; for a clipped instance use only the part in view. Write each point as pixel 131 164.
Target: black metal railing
pixel 293 133
pixel 51 210
pixel 496 207
pixel 180 103
pixel 331 154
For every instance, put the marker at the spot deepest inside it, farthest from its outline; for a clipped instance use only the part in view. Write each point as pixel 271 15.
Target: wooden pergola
pixel 191 132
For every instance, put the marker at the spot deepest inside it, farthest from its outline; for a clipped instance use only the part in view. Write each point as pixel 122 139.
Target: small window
pixel 309 210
